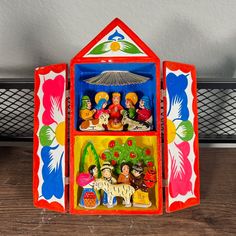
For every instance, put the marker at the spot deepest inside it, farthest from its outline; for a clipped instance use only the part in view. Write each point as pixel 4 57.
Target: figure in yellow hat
pixel 86 113
pixel 130 101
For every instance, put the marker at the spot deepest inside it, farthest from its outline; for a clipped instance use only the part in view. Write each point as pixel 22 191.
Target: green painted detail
pixel 185 130
pixel 46 135
pixel 128 47
pixel 85 153
pixel 101 48
pixel 132 113
pixel 84 101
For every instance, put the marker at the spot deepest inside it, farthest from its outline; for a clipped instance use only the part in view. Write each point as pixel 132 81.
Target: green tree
pixel 89 157
pixel 128 152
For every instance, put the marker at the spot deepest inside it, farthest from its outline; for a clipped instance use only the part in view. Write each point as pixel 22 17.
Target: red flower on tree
pixel 132 155
pixel 116 154
pixel 111 144
pixel 129 142
pixel 113 162
pixel 103 156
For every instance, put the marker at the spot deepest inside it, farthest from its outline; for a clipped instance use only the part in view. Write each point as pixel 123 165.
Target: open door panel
pixel 50 156
pixel 181 136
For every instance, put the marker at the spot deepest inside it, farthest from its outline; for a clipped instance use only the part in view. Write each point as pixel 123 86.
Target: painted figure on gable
pixel 106 170
pixel 88 198
pixel 125 176
pixel 86 113
pixel 115 110
pixel 141 195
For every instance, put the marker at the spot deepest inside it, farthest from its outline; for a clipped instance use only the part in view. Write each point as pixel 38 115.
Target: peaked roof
pixel 116 40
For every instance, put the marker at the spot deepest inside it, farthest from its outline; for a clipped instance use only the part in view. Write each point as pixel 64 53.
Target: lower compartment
pixel 116 175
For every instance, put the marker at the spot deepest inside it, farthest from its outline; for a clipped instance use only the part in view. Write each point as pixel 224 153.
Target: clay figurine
pixel 133 121
pixel 150 177
pixel 144 113
pixel 86 113
pixel 140 196
pixel 88 198
pixel 115 190
pixel 130 101
pixel 106 170
pixel 90 123
pixel 125 176
pixel 115 110
pixel 101 99
pixel 134 125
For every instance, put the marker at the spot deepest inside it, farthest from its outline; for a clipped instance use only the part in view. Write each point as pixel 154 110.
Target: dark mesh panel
pixel 217 112
pixel 16 112
pixel 216 108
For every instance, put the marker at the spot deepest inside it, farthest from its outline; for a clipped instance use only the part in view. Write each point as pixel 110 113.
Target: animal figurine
pixel 134 125
pixel 99 126
pixel 115 190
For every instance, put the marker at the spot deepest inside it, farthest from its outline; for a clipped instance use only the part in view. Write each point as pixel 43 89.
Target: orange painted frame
pixel 57 68
pixel 78 59
pixel 192 201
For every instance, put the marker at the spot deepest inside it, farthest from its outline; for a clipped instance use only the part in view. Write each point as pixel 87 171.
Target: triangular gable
pixel 116 40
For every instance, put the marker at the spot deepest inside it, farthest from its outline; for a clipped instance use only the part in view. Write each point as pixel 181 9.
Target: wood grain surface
pixel 215 216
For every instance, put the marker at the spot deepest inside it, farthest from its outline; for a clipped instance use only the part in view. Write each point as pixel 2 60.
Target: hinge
pixel 67 180
pixel 67 93
pixel 163 93
pixel 164 183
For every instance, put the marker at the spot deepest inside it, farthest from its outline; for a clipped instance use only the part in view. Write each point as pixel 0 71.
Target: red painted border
pixel 74 133
pixel 43 203
pixel 192 201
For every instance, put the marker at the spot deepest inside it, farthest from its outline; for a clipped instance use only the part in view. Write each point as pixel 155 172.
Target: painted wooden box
pixel 110 160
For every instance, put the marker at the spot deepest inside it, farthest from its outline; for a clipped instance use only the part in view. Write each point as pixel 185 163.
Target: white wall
pixel 200 32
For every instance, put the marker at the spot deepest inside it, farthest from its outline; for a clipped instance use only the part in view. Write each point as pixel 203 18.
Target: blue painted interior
pixel 85 71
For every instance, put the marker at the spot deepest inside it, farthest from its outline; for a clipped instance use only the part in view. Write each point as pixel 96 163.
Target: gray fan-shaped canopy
pixel 117 78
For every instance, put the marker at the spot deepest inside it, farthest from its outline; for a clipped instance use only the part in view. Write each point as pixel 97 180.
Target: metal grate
pixel 16 113
pixel 216 107
pixel 217 112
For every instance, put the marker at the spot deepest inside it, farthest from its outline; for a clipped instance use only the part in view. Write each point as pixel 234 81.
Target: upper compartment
pixel 115 82
pixel 101 96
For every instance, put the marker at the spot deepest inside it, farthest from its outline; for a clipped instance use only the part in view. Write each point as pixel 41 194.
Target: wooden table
pixel 215 216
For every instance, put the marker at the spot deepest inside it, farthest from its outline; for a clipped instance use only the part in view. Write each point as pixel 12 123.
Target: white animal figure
pixel 103 120
pixel 134 125
pixel 115 190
